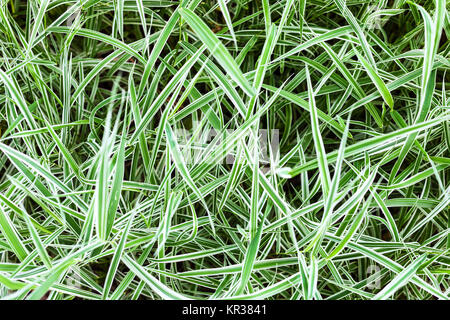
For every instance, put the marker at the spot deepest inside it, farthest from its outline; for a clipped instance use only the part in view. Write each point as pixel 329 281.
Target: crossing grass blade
pixel 217 49
pixel 116 259
pixel 400 280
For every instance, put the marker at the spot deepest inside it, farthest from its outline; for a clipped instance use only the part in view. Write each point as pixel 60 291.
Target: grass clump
pixel 224 149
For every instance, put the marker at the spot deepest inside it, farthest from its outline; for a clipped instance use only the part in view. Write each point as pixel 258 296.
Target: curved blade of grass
pixel 379 84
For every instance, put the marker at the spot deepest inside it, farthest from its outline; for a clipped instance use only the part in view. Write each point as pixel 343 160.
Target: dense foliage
pixel 159 149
